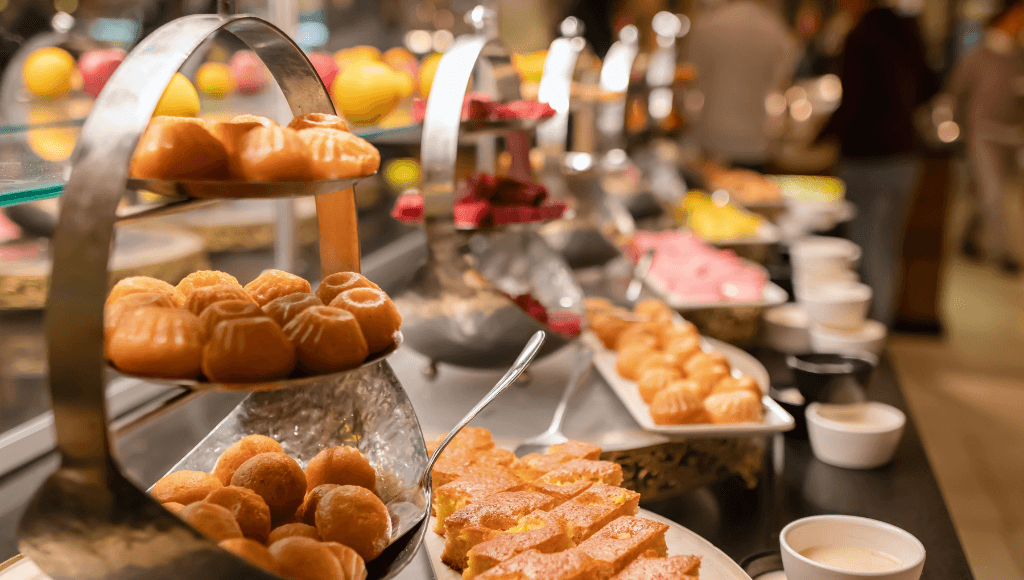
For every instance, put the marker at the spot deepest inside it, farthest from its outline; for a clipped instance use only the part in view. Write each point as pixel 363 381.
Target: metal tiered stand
pixel 88 519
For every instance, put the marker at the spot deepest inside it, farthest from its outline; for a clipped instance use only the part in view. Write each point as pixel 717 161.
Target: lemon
pixel 47 72
pixel 403 174
pixel 405 83
pixel 366 91
pixel 427 72
pixel 180 99
pixel 357 53
pixel 215 79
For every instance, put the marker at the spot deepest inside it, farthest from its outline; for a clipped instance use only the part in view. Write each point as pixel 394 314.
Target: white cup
pixel 849 532
pixel 854 436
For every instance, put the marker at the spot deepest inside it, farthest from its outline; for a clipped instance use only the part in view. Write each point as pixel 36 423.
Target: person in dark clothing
pixel 885 78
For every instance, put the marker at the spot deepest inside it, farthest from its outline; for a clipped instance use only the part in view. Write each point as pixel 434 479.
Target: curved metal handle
pixel 580 371
pixel 524 360
pixel 78 288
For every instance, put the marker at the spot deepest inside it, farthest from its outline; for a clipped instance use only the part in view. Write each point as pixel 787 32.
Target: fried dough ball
pixel 703 360
pixel 184 487
pixel 248 349
pixel 355 517
pixel 157 342
pixel 679 331
pixel 278 479
pixel 274 154
pixel 273 284
pixel 655 379
pixel 376 313
pixel 282 310
pixel 293 530
pixel 608 327
pixel 318 121
pixel 339 154
pixel 173 507
pixel 241 451
pixel 640 334
pixel 301 558
pixel 342 465
pixel 734 407
pixel 352 565
pixel 139 284
pixel 684 348
pixel 708 377
pixel 255 552
pixel 213 520
pixel 205 296
pixel 179 148
pixel 743 383
pixel 339 282
pixel 227 310
pixel 676 406
pixel 114 311
pixel 204 278
pixel 326 339
pixel 628 359
pixel 698 389
pixel 249 509
pixel 307 511
pixel 654 310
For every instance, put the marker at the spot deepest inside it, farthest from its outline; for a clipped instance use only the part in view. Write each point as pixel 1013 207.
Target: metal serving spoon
pixel 553 435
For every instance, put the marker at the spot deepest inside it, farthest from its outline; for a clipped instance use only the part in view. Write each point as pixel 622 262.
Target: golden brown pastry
pixel 255 552
pixel 248 509
pixel 650 567
pixel 576 450
pixel 676 406
pixel 733 407
pixel 247 349
pixel 628 359
pixel 179 148
pixel 376 313
pixel 227 310
pixel 609 325
pixel 353 516
pixel 202 298
pixel 184 487
pixel 318 121
pixel 157 342
pixel 282 310
pixel 352 565
pixel 684 348
pixel 704 360
pixel 654 310
pixel 273 284
pixel 339 282
pixel 657 359
pixel 299 558
pixel 307 511
pixel 655 379
pixel 326 339
pixel 173 507
pixel 140 284
pixel 241 451
pixel 205 278
pixel 708 377
pixel 113 312
pixel 213 520
pixel 621 541
pixel 232 135
pixel 571 564
pixel 274 154
pixel 743 383
pixel 278 479
pixel 646 334
pixel 341 465
pixel 339 154
pixel 293 530
pixel 699 390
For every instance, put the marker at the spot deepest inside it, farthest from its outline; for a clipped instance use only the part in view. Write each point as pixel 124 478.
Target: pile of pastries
pixel 551 516
pixel 681 383
pixel 274 327
pixel 252 148
pixel 321 523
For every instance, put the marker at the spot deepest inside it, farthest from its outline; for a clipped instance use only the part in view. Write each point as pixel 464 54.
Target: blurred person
pixel 743 52
pixel 885 78
pixel 988 86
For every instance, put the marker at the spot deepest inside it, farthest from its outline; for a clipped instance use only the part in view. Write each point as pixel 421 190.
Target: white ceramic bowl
pixel 785 329
pixel 854 436
pixel 839 304
pixel 807 281
pixel 868 337
pixel 849 531
pixel 823 252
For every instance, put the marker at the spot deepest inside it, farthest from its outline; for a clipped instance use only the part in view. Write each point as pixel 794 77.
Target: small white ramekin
pixel 839 305
pixel 838 530
pixel 869 337
pixel 855 436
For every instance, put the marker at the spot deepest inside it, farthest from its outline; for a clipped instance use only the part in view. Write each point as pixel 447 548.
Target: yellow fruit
pixel 47 72
pixel 215 79
pixel 401 59
pixel 405 83
pixel 52 144
pixel 530 66
pixel 180 99
pixel 427 72
pixel 365 91
pixel 357 53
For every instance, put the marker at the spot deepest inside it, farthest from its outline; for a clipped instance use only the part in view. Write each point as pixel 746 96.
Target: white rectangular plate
pixel 714 564
pixel 773 295
pixel 776 419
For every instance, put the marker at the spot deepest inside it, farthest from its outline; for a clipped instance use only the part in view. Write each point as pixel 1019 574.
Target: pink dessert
pixel 694 271
pixel 479 107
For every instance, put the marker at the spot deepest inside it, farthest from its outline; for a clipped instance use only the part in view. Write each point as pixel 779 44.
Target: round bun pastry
pixel 248 508
pixel 341 465
pixel 318 121
pixel 113 312
pixel 278 479
pixel 734 407
pixel 232 135
pixel 273 154
pixel 353 516
pixel 204 278
pixel 227 310
pixel 299 558
pixel 184 487
pixel 640 334
pixel 202 298
pixel 282 310
pixel 376 313
pixel 743 383
pixel 247 349
pixel 698 389
pixel 676 406
pixel 683 347
pixel 339 282
pixel 211 519
pixel 157 342
pixel 241 451
pixel 273 284
pixel 608 327
pixel 326 339
pixel 654 310
pixel 352 565
pixel 293 530
pixel 141 284
pixel 628 359
pixel 179 148
pixel 704 360
pixel 339 154
pixel 708 377
pixel 657 359
pixel 654 380
pixel 255 552
pixel 307 511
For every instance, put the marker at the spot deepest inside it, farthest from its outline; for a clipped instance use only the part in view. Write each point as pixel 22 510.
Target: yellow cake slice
pixel 576 449
pixel 455 495
pixel 671 568
pixel 532 466
pixel 539 531
pixel 595 508
pixel 575 470
pixel 572 564
pixel 468 439
pixel 623 540
pixel 481 521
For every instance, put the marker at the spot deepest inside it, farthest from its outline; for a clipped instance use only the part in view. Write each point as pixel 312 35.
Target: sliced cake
pixel 623 540
pixel 482 520
pixel 595 508
pixel 455 495
pixel 539 531
pixel 671 568
pixel 572 564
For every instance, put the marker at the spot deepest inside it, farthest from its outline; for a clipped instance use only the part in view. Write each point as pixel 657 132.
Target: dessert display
pixel 552 515
pixel 713 222
pixel 675 377
pixel 486 200
pixel 252 148
pixel 479 107
pixel 321 523
pixel 749 187
pixel 274 327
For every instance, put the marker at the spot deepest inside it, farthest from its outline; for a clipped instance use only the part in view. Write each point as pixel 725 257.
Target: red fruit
pixel 96 67
pixel 325 66
pixel 251 76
